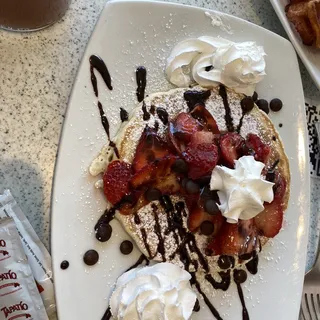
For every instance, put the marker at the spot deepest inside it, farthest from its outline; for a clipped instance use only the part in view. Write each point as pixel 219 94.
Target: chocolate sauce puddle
pixel 227 117
pixel 141 77
pixel 98 64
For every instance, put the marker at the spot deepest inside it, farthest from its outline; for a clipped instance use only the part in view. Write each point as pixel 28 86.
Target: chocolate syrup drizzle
pixel 123 115
pixel 194 97
pixel 227 117
pixel 245 314
pixel 141 77
pixel 98 64
pixel 182 236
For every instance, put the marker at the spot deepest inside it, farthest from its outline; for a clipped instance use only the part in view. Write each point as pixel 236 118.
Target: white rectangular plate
pixel 310 56
pixel 135 33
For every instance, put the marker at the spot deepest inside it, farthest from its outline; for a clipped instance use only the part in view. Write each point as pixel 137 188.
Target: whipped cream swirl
pixel 209 61
pixel 241 190
pixel 161 292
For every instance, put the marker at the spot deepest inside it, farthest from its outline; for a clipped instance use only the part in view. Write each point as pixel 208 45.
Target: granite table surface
pixel 37 71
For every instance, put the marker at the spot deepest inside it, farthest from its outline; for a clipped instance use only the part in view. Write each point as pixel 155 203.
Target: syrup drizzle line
pixel 98 64
pixel 245 314
pixel 228 118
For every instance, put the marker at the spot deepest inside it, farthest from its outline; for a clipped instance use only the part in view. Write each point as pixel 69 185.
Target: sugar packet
pixel 19 295
pixel 38 256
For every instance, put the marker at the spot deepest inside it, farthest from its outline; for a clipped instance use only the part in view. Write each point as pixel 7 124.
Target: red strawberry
pixel 116 180
pixel 279 188
pixel 200 113
pixel 261 150
pixel 158 175
pixel 235 239
pixel 150 148
pixel 182 129
pixel 231 145
pixel 202 137
pixel 269 221
pixel 201 158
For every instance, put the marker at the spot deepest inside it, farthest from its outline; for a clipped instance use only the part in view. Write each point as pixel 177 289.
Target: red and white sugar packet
pixel 38 256
pixel 19 295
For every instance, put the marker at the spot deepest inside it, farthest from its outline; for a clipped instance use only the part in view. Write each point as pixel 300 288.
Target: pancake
pixel 150 225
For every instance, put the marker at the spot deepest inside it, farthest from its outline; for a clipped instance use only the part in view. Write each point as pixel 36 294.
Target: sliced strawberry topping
pixel 269 221
pixel 116 180
pixel 261 150
pixel 202 137
pixel 182 129
pixel 235 239
pixel 205 118
pixel 150 148
pixel 201 159
pixel 158 175
pixel 231 145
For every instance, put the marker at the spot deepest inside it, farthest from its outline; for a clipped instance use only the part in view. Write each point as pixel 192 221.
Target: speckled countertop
pixel 37 72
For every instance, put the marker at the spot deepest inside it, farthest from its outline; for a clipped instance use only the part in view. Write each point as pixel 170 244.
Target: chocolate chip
pixel 103 232
pixel 91 257
pixel 207 228
pixel 263 105
pixel 180 166
pixel 208 68
pixel 203 181
pixel 247 104
pixel 153 194
pixel 192 187
pixel 280 125
pixel 225 262
pixel 64 265
pixel 275 104
pixel 126 247
pixel 211 207
pixel 274 138
pixel 196 307
pixel 255 96
pixel 239 276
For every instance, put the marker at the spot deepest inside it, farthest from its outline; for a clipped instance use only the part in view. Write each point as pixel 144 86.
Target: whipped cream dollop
pixel 242 191
pixel 161 292
pixel 209 61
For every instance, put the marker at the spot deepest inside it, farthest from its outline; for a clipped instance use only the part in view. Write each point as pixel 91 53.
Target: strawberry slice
pixel 150 147
pixel 182 129
pixel 116 180
pixel 157 175
pixel 200 113
pixel 231 145
pixel 201 158
pixel 261 150
pixel 202 137
pixel 269 221
pixel 235 239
